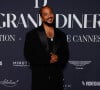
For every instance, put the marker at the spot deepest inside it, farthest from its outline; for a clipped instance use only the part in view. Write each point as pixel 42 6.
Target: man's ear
pixel 41 18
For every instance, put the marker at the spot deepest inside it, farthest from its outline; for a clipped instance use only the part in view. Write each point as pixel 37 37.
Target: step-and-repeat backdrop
pixel 78 19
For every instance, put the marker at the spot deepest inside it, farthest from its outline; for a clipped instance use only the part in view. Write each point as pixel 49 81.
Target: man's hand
pixel 54 58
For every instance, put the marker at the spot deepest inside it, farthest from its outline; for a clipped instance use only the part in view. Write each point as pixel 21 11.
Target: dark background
pixel 13 51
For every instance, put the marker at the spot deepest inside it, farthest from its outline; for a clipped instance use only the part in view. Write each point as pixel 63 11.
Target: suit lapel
pixel 43 38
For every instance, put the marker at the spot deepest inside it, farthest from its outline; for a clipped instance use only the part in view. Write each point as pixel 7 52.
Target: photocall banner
pixel 78 19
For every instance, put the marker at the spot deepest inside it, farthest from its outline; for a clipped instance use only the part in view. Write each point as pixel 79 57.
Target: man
pixel 46 50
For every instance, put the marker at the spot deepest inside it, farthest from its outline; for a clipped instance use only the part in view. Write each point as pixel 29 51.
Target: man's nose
pixel 49 15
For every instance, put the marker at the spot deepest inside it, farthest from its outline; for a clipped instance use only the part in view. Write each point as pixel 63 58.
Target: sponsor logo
pixel 79 64
pixel 1 63
pixel 9 83
pixel 21 63
pixel 91 83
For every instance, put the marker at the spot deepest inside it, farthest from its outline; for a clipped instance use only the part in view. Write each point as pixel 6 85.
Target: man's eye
pixel 45 14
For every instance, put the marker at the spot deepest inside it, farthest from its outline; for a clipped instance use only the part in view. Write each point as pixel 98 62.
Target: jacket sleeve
pixel 63 52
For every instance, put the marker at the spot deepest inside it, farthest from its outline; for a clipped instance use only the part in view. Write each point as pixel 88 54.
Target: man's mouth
pixel 50 18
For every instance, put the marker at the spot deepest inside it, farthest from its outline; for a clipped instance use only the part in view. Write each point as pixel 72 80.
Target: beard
pixel 50 24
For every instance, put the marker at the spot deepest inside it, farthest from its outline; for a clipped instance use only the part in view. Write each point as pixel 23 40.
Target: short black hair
pixel 40 11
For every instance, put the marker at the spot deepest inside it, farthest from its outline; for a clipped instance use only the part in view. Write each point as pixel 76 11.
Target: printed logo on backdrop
pixel 79 64
pixel 21 63
pixel 85 38
pixel 9 83
pixel 91 83
pixel 1 63
pixel 70 21
pixel 37 3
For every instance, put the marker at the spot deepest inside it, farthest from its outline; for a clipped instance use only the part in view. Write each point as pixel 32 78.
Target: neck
pixel 49 30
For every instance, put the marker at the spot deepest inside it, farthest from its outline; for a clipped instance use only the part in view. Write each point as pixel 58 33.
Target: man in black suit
pixel 47 51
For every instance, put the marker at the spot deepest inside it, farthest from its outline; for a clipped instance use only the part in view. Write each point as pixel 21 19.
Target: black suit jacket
pixel 36 52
